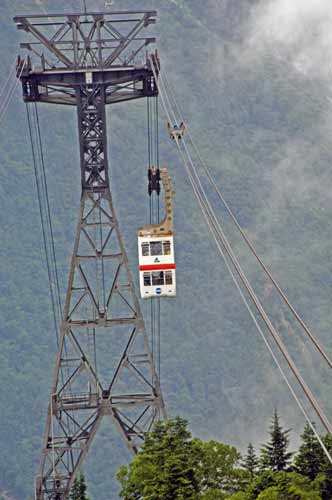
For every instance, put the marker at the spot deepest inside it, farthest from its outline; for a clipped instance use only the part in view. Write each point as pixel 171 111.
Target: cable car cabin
pixel 176 131
pixel 156 251
pixel 156 266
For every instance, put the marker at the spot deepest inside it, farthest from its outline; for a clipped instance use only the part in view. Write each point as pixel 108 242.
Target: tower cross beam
pixel 82 41
pixel 49 44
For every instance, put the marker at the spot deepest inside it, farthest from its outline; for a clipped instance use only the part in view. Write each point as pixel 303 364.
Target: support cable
pixel 217 230
pixel 9 92
pixel 274 357
pixel 253 250
pixel 275 335
pixel 43 225
pixel 47 231
pixel 48 214
pixel 151 207
pixel 158 312
pixel 149 135
pixel 11 73
pixel 249 243
pixel 261 263
pixel 154 205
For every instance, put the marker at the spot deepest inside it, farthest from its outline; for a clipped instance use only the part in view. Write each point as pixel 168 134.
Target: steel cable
pixel 158 326
pixel 154 206
pixel 11 73
pixel 258 305
pixel 43 225
pixel 151 207
pixel 248 242
pixel 47 231
pixel 219 237
pixel 260 331
pixel 10 92
pixel 48 214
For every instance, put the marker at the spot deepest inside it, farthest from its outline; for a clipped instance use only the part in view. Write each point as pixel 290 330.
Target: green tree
pixel 75 490
pixel 165 467
pixel 174 466
pixel 241 495
pixel 274 454
pixel 212 494
pixel 324 479
pixel 271 493
pixel 310 457
pixel 270 485
pixel 250 462
pixel 79 488
pixel 261 482
pixel 219 469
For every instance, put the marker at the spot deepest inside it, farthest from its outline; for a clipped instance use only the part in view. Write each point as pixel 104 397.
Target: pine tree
pixel 83 488
pixel 274 454
pixel 250 462
pixel 165 467
pixel 174 466
pixel 78 491
pixel 310 458
pixel 325 479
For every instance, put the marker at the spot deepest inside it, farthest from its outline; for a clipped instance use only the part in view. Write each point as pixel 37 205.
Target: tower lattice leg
pixel 104 364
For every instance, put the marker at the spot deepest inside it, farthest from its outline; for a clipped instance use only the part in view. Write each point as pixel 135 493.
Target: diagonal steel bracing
pixel 101 316
pixel 104 366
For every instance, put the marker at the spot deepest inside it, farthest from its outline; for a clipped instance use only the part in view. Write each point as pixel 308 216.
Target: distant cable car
pixel 156 251
pixel 176 131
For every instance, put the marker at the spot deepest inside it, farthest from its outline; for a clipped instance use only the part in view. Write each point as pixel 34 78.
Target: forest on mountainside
pixel 252 79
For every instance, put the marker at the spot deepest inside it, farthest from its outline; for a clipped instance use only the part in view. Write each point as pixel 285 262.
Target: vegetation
pixel 173 465
pixel 274 454
pixel 263 126
pixel 79 488
pixel 250 462
pixel 310 457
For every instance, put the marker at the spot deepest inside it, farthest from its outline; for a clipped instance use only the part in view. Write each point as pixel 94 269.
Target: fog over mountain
pixel 297 31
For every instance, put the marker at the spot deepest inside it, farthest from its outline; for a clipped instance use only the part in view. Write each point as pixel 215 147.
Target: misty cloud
pixel 297 31
pixel 299 181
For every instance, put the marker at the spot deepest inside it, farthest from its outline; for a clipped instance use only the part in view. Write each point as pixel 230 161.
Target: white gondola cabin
pixel 156 251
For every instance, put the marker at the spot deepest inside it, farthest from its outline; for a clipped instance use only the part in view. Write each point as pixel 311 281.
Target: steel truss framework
pixel 104 364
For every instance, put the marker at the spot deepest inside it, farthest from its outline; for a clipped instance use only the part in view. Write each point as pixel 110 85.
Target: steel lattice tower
pixel 104 364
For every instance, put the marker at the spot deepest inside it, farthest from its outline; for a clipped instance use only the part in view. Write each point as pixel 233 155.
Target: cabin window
pixel 158 278
pixel 147 279
pixel 167 247
pixel 145 249
pixel 168 278
pixel 156 248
